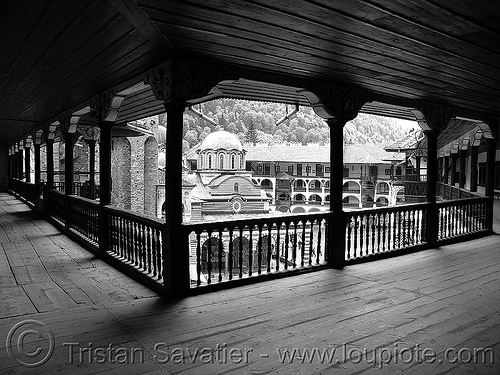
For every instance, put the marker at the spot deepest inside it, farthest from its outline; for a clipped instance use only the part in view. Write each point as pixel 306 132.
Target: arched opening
pixel 297 210
pixel 300 198
pixel 382 188
pixel 351 187
pixel 315 199
pixel 350 202
pixel 382 202
pixel 266 184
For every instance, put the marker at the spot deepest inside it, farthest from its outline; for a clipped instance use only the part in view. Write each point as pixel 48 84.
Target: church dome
pixel 221 140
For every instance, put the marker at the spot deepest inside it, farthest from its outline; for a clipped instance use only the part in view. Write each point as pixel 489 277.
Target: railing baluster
pixel 269 244
pixel 278 240
pixel 250 251
pixel 220 252
pixel 209 256
pixel 231 253
pixel 303 243
pixel 287 238
pixel 318 247
pixel 348 225
pixel 311 241
pixel 294 245
pixel 259 250
pixel 240 252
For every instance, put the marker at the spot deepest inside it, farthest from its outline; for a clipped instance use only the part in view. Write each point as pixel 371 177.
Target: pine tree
pixel 251 136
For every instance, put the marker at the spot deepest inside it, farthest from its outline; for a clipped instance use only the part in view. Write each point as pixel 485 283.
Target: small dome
pixel 221 140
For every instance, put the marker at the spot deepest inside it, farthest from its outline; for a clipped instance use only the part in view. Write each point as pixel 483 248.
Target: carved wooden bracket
pixel 433 117
pixel 106 106
pixel 493 125
pixel 336 102
pixel 180 81
pixel 89 133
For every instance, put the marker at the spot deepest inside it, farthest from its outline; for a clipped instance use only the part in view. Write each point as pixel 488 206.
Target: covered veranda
pixel 96 65
pixel 375 317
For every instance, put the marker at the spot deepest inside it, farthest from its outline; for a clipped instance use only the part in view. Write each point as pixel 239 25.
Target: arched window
pixel 236 187
pixel 221 162
pixel 210 161
pixel 233 159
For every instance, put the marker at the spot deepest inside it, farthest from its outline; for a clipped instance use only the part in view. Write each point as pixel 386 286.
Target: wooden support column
pixel 68 164
pixel 489 190
pixel 432 173
pixel 91 143
pixel 473 168
pixel 27 159
pixel 453 169
pixel 49 145
pixel 20 164
pixel 176 244
pixel 335 254
pixel 490 167
pixel 462 167
pixel 446 169
pixel 37 169
pixel 105 147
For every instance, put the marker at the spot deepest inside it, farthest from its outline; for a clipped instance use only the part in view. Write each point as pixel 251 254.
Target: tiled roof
pixel 353 154
pixel 410 142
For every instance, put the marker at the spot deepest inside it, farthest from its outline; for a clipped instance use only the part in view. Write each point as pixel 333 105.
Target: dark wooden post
pixel 37 169
pixel 175 245
pixel 489 190
pixel 68 165
pixel 20 163
pixel 473 168
pixel 14 163
pixel 27 161
pixel 49 145
pixel 91 143
pixel 446 169
pixel 335 254
pixel 105 147
pixel 462 166
pixel 432 172
pixel 453 169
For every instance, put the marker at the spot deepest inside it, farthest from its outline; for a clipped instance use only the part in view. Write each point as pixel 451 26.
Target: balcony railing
pixel 227 251
pixel 381 230
pixel 136 240
pixel 224 251
pixel 463 217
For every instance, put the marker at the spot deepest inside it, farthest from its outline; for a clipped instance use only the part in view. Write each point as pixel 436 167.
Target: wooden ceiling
pixel 55 55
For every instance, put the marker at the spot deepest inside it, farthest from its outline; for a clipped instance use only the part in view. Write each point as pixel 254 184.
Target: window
pixel 210 161
pixel 221 162
pixel 327 169
pixel 299 169
pixel 259 167
pixel 388 171
pixel 319 170
pixel 481 176
pixel 233 159
pixel 267 169
pixel 236 187
pixel 277 168
pixel 308 169
pixel 290 169
pixel 398 171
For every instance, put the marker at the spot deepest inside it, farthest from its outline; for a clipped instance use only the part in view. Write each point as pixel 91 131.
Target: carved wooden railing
pixel 381 230
pixel 136 240
pixel 453 192
pixel 463 217
pixel 227 250
pixel 84 217
pixel 56 205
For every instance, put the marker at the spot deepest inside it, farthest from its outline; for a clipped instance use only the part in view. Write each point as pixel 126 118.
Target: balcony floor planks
pixel 440 298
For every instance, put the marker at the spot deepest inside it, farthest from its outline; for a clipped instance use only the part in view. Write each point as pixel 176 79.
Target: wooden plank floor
pixel 412 314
